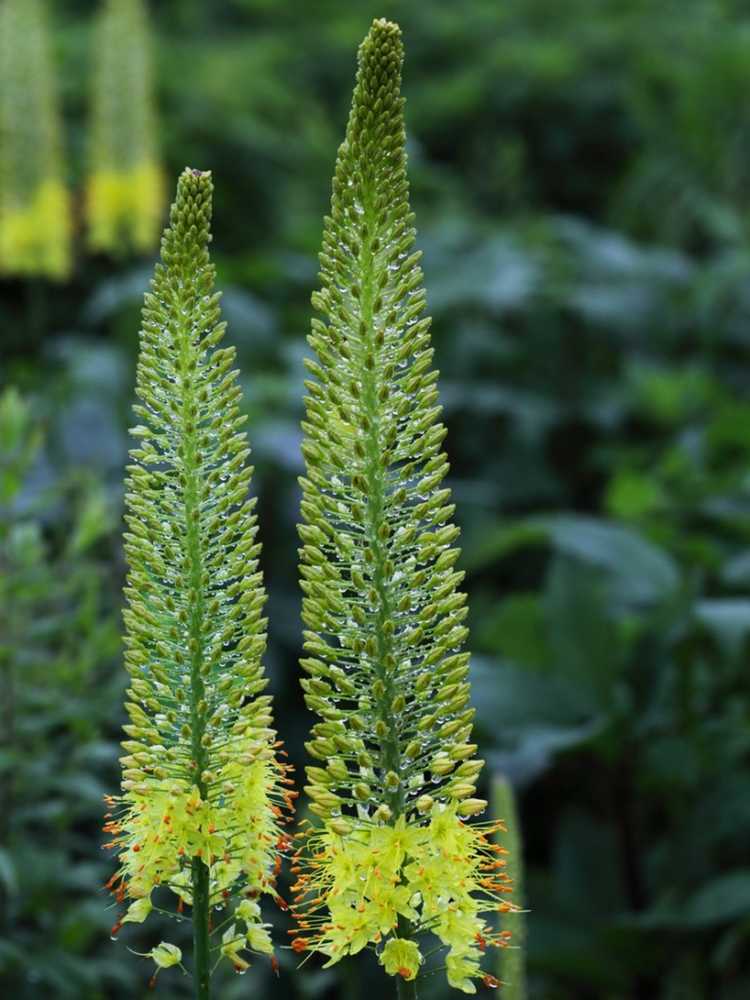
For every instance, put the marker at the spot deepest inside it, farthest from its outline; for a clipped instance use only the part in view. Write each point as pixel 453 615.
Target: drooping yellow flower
pixel 232 944
pixel 35 223
pixel 125 185
pixel 166 955
pixel 401 958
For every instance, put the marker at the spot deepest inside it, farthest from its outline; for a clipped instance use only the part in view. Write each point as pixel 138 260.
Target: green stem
pixel 201 950
pixel 376 517
pixel 511 965
pixel 200 874
pixel 406 990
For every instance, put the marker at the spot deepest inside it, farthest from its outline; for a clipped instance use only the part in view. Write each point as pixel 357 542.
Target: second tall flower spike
pixel 393 857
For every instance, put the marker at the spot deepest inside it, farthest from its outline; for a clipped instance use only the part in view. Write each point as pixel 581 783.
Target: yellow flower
pixel 125 207
pixel 259 939
pixel 257 935
pixel 138 911
pixel 401 958
pixel 165 955
pixel 248 910
pixel 441 874
pixel 232 944
pixel 461 968
pixel 35 233
pixel 125 198
pixel 35 218
pixel 237 835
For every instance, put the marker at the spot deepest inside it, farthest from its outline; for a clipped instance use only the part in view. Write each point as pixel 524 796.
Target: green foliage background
pixel 580 176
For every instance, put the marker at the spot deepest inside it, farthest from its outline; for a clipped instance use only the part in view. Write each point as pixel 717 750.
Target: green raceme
pixel 386 669
pixel 202 791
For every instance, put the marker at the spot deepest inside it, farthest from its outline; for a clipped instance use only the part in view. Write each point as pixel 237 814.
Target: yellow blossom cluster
pixel 236 833
pixel 125 201
pixel 35 233
pixel 443 876
pixel 125 196
pixel 35 215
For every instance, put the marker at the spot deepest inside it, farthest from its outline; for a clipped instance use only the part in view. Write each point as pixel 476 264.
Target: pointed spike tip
pixel 194 172
pixel 382 51
pixel 383 25
pixel 195 180
pixel 383 33
pixel 192 206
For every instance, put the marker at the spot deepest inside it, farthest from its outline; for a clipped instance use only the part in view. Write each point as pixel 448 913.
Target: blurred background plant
pixel 580 182
pixel 125 196
pixel 34 202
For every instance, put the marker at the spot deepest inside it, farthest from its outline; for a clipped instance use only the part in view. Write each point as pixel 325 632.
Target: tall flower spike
pixel 202 792
pixel 393 856
pixel 125 189
pixel 35 226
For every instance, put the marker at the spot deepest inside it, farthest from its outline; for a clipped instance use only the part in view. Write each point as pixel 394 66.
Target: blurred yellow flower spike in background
pixel 35 221
pixel 125 185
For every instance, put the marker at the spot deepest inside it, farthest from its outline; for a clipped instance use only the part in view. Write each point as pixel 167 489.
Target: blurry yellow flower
pixel 125 206
pixel 401 958
pixel 138 911
pixel 35 236
pixel 165 955
pixel 231 945
pixel 125 187
pixel 461 968
pixel 259 939
pixel 35 220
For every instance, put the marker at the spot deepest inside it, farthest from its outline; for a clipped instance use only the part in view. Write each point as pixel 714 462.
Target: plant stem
pixel 200 874
pixel 376 518
pixel 201 956
pixel 511 965
pixel 406 989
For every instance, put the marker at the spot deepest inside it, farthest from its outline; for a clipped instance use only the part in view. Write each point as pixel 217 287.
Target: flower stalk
pixel 392 858
pixel 203 793
pixel 511 967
